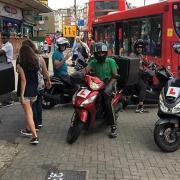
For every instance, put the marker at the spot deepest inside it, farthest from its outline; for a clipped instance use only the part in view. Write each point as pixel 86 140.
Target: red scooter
pixel 88 107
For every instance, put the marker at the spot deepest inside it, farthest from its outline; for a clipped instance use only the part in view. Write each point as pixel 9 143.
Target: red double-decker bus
pixel 158 25
pixel 102 7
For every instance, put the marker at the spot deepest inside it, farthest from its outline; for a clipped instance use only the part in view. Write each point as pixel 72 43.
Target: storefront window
pixel 12 25
pixel 27 31
pixel 176 16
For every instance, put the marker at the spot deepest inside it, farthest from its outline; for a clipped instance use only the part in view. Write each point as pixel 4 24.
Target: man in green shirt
pixel 106 69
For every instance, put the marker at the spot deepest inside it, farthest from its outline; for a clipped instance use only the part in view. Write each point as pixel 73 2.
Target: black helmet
pixel 139 43
pixel 100 47
pixel 5 34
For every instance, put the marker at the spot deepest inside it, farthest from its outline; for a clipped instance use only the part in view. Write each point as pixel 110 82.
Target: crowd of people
pixel 33 75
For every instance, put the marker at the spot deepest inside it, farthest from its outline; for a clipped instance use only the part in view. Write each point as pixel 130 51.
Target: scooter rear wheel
pixel 166 138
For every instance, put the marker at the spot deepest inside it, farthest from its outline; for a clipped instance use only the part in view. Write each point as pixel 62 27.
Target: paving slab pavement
pixel 132 155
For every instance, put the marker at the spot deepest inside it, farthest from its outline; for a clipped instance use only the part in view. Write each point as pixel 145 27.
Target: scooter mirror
pixel 176 47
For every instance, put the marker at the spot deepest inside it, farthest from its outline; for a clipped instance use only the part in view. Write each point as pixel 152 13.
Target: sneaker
pixel 25 132
pixel 34 140
pixel 113 132
pixel 141 110
pixel 39 126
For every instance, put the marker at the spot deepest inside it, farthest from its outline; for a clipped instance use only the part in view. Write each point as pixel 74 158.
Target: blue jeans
pixel 37 109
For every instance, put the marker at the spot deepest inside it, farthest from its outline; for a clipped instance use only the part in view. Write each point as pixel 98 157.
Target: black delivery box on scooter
pixel 7 79
pixel 128 69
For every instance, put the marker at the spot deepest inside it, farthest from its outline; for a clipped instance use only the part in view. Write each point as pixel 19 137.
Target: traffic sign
pixel 81 22
pixel 69 31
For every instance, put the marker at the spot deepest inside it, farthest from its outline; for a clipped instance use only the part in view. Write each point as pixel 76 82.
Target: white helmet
pixel 62 41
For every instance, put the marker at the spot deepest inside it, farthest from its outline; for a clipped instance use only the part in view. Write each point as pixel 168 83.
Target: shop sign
pixel 10 11
pixel 69 31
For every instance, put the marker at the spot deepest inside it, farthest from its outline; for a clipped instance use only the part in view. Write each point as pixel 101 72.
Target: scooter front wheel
pixel 166 137
pixel 74 132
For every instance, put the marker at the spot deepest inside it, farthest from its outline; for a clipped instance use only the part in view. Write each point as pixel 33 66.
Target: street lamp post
pixel 75 8
pixel 144 2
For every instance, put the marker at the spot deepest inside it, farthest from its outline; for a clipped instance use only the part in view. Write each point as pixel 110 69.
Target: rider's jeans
pixel 142 89
pixel 107 105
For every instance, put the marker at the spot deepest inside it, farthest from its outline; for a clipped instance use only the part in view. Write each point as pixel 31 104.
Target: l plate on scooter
pixel 173 92
pixel 83 93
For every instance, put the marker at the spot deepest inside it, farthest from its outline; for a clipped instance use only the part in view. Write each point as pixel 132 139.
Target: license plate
pixel 83 93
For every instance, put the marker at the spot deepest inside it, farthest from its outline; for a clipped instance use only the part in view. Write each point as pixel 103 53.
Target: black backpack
pixel 84 52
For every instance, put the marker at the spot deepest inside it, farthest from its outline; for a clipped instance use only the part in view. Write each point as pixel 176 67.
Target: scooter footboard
pixel 83 115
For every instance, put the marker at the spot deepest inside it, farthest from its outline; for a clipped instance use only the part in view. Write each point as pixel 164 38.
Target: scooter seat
pixel 56 80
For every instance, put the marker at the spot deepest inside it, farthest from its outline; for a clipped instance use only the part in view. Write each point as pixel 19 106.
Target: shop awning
pixel 29 4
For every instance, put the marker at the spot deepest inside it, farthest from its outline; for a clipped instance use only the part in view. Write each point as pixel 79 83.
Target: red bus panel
pixel 157 24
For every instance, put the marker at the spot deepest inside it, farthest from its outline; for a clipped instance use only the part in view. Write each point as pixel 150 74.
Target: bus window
pixel 124 48
pixel 99 34
pixel 134 32
pixel 176 16
pixel 101 5
pixel 110 38
pixel 155 36
pixel 151 34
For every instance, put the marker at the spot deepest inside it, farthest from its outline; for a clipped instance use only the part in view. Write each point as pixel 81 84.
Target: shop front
pixel 11 19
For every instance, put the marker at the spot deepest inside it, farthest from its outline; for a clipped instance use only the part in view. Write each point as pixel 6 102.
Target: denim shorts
pixel 30 99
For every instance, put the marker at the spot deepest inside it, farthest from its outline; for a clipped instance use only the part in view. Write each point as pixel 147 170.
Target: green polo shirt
pixel 103 70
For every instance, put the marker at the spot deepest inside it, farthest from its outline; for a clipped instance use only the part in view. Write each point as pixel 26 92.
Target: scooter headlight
pixel 162 105
pixel 176 109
